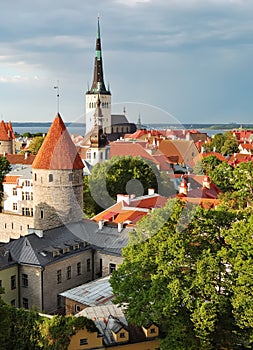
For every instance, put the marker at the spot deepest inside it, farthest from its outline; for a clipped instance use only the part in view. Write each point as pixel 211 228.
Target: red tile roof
pixel 11 179
pixel 58 150
pixel 5 133
pixel 20 158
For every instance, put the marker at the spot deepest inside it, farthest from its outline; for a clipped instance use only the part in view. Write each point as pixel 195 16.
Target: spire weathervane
pixel 57 96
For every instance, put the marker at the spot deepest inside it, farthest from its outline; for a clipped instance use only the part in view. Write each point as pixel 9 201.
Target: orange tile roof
pixel 20 158
pixel 130 215
pixel 4 132
pixel 11 179
pixel 58 150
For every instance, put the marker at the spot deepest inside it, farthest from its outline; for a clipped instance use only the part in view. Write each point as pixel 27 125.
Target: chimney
pixel 151 191
pixel 206 182
pixel 123 197
pixel 183 188
pixel 100 224
pixel 120 226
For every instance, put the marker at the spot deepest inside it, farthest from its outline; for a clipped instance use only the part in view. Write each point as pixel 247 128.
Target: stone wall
pixel 14 226
pixel 58 197
pixel 52 288
pixel 105 260
pixel 6 147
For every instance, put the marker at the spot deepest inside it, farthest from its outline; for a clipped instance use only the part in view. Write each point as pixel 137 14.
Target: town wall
pixel 14 226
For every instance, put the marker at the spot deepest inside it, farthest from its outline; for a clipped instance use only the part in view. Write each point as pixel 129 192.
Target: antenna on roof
pixel 57 96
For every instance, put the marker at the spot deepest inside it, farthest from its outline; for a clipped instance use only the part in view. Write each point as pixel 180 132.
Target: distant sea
pixel 79 129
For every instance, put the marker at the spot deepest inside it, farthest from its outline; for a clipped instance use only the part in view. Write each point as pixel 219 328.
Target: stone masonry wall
pixel 52 288
pixel 14 226
pixel 58 197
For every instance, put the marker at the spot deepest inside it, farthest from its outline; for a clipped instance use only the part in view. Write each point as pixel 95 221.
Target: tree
pixel 206 165
pixel 216 143
pixel 5 167
pixel 34 145
pixel 57 331
pixel 180 278
pixel 230 145
pixel 4 323
pixel 243 181
pixel 119 175
pixel 222 176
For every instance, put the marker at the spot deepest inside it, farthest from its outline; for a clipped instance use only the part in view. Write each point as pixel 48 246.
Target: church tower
pixel 98 88
pixel 57 180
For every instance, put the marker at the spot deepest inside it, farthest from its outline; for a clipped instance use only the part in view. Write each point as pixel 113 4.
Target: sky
pixel 184 61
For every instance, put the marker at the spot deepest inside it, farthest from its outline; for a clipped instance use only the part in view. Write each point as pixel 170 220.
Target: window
pixel 152 331
pixel 77 308
pixel 15 206
pixel 68 272
pixel 78 268
pixel 25 280
pixel 83 341
pixel 25 303
pixel 70 177
pixel 58 276
pixel 35 177
pixel 13 282
pixel 13 302
pixel 14 192
pixel 58 301
pixel 122 335
pixel 50 177
pixel 112 267
pixel 88 155
pixel 42 214
pixel 0 283
pixel 88 265
pixel 27 212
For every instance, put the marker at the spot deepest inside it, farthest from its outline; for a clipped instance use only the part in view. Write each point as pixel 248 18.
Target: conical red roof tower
pixel 58 151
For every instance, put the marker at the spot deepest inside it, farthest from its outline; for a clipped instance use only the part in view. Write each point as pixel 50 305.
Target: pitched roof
pixel 11 179
pixel 20 158
pixel 4 132
pixel 58 150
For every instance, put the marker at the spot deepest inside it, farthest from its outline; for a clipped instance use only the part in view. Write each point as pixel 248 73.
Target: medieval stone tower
pixel 57 180
pixel 7 138
pixel 98 88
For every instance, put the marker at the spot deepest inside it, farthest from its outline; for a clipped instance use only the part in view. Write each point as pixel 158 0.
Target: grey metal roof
pixel 98 292
pixel 106 318
pixel 35 250
pixel 24 171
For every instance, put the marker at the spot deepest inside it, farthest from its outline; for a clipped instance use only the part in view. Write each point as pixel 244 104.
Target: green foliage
pixel 222 176
pixel 180 277
pixel 5 167
pixel 216 143
pixel 57 331
pixel 206 165
pixel 225 143
pixel 4 325
pixel 34 145
pixel 230 145
pixel 120 175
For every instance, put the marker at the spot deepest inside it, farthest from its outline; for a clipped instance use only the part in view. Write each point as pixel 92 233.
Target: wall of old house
pixel 52 288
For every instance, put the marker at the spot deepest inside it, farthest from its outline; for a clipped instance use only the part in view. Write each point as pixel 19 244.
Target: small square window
pixel 83 341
